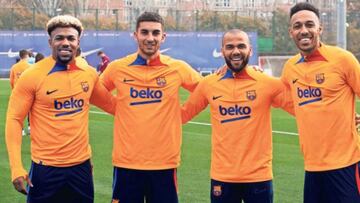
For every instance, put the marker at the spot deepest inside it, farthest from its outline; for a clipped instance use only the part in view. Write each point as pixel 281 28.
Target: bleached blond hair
pixel 64 21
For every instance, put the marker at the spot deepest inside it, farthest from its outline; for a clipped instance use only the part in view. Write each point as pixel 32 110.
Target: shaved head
pixel 234 32
pixel 236 49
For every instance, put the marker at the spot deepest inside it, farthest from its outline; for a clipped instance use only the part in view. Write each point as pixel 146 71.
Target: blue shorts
pixel 61 184
pixel 340 185
pixel 136 186
pixel 224 192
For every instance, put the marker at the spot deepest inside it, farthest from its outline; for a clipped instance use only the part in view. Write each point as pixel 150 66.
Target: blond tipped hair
pixel 64 21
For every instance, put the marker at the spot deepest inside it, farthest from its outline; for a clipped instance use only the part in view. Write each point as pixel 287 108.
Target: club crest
pixel 161 81
pixel 251 95
pixel 320 78
pixel 217 190
pixel 85 86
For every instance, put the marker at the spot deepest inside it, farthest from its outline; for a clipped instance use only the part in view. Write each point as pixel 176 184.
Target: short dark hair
pixel 78 52
pixel 99 53
pixel 23 53
pixel 39 57
pixel 304 6
pixel 149 17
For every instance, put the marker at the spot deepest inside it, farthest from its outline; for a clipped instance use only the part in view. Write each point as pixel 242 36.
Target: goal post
pixel 273 65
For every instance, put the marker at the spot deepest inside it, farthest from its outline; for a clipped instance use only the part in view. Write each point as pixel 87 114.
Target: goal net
pixel 273 65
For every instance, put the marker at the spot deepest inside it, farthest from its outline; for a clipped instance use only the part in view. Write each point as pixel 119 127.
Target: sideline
pixel 208 124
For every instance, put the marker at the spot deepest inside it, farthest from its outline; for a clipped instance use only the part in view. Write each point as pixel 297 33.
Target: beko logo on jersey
pixel 152 96
pixel 72 104
pixel 314 94
pixel 242 112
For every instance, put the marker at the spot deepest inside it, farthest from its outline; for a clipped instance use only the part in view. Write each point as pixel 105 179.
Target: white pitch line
pixel 207 124
pixel 199 123
pixel 285 133
pixel 99 112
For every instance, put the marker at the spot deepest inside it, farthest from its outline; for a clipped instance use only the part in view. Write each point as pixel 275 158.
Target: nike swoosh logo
pixel 164 50
pixel 125 80
pixel 50 92
pixel 294 81
pixel 216 54
pixel 216 97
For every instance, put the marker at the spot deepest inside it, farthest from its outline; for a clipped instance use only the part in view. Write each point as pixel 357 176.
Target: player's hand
pixel 257 68
pixel 221 70
pixel 357 120
pixel 19 184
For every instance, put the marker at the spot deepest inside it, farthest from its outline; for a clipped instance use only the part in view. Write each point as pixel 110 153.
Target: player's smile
pixel 150 45
pixel 149 36
pixel 65 52
pixel 64 43
pixel 236 51
pixel 305 30
pixel 236 59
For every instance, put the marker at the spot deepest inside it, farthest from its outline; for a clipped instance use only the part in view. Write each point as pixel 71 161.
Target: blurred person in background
pixel 39 57
pixel 105 60
pixel 15 72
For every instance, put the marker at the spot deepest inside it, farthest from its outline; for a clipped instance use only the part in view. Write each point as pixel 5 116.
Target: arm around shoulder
pixel 282 97
pixel 102 98
pixel 351 68
pixel 190 77
pixel 196 102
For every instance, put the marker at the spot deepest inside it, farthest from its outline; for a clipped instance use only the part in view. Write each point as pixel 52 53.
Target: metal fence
pixel 269 26
pixel 124 19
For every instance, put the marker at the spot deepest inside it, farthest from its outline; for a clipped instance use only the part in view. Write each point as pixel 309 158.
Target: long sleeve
pixel 352 72
pixel 190 78
pixel 102 98
pixel 12 78
pixel 20 102
pixel 195 103
pixel 282 97
pixel 106 77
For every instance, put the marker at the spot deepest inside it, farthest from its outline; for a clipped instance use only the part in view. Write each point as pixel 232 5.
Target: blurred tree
pixel 353 15
pixel 353 40
pixel 170 23
pixel 280 26
pixel 216 21
pixel 353 29
pixel 48 7
pixel 55 7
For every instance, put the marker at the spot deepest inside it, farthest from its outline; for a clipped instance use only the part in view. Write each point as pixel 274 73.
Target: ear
pixel 290 32
pixel 320 29
pixel 49 41
pixel 135 36
pixel 251 51
pixel 163 37
pixel 78 45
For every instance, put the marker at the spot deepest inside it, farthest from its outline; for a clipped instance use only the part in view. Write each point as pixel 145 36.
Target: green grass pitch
pixel 193 174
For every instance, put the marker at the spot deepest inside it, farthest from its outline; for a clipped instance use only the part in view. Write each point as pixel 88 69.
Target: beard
pixel 151 50
pixel 245 61
pixel 64 60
